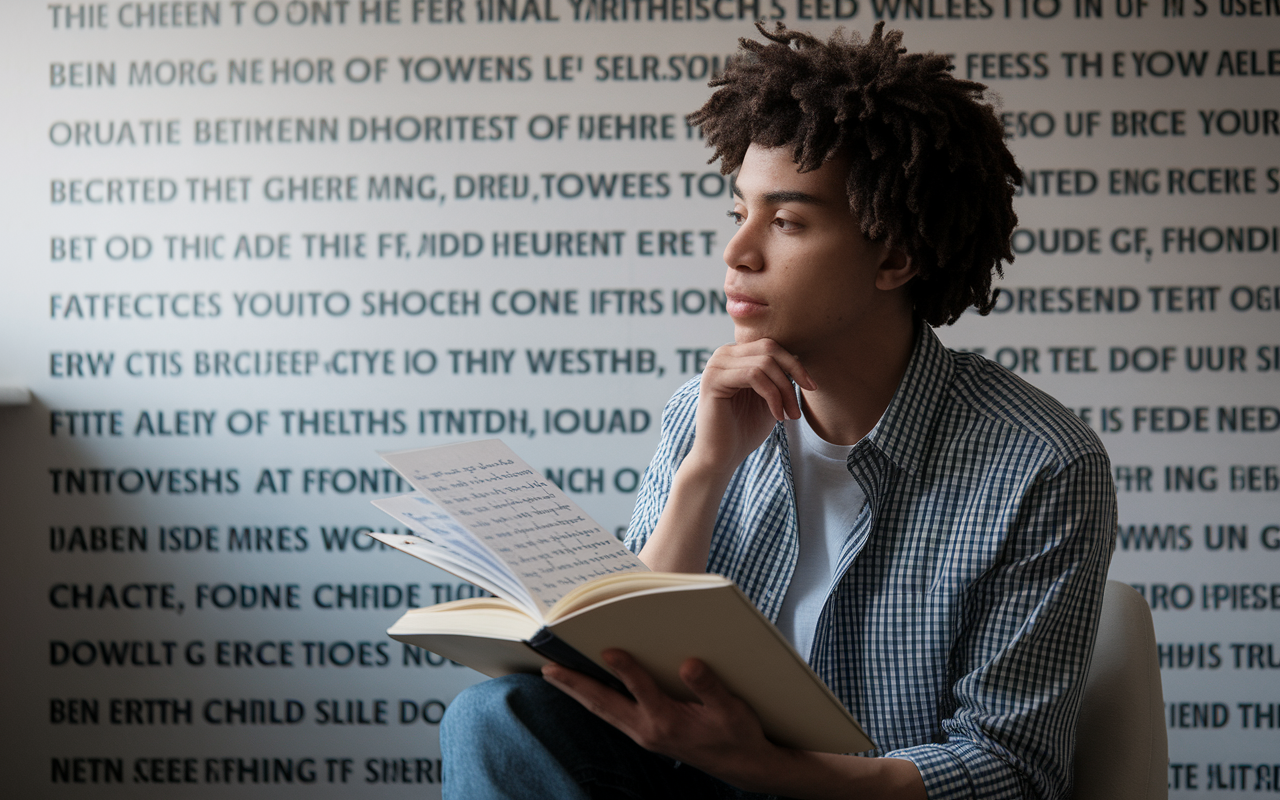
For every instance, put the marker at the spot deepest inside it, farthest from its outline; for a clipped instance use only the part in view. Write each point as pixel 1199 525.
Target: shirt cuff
pixel 958 770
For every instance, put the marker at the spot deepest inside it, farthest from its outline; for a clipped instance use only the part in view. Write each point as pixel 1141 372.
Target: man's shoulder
pixel 677 422
pixel 985 396
pixel 683 404
pixel 687 394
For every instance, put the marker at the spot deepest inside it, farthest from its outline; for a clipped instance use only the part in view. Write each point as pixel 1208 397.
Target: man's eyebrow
pixel 791 197
pixel 774 198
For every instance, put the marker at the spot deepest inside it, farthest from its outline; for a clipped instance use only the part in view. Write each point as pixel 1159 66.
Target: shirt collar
pixel 902 433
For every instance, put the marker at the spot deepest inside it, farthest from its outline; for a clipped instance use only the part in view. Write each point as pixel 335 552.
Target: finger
pixel 761 372
pixel 790 401
pixel 636 678
pixel 798 373
pixel 790 363
pixel 794 369
pixel 786 393
pixel 769 392
pixel 704 683
pixel 725 381
pixel 597 698
pixel 772 384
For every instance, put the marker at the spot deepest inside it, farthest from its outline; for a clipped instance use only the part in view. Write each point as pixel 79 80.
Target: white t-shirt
pixel 828 500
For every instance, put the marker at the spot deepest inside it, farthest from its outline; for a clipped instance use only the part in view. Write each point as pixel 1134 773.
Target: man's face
pixel 800 271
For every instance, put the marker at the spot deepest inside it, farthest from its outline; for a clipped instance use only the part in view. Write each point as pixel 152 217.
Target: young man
pixel 929 530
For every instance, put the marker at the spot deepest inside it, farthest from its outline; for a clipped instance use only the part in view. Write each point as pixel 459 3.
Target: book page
pixel 438 540
pixel 549 543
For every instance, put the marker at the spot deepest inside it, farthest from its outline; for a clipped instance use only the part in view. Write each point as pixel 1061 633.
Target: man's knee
pixel 497 695
pixel 522 700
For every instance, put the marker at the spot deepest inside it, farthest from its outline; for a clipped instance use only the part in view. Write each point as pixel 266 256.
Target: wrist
pixel 770 771
pixel 699 467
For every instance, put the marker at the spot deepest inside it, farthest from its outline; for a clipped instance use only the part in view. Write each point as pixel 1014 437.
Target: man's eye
pixel 785 224
pixel 736 217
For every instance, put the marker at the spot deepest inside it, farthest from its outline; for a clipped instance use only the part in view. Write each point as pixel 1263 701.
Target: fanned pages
pixel 565 591
pixel 483 493
pixel 464 558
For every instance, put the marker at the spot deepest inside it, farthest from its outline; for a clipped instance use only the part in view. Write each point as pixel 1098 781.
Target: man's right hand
pixel 745 389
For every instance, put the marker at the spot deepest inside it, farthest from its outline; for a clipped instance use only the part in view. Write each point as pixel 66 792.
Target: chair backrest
pixel 1122 748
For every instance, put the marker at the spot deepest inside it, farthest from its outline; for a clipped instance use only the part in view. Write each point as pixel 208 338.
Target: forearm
pixel 681 541
pixel 816 776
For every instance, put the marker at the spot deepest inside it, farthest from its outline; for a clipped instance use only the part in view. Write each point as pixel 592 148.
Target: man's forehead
pixel 771 175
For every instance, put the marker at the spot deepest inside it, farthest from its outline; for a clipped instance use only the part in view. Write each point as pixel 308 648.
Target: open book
pixel 565 590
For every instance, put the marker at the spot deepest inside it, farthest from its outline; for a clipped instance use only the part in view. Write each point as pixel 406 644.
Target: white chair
pixel 1122 748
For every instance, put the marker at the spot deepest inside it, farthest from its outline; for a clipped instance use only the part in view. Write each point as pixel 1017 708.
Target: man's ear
pixel 895 270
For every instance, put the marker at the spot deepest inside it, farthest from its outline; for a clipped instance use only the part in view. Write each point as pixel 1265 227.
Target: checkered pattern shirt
pixel 960 618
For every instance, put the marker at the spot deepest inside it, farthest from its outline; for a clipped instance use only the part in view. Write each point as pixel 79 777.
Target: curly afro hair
pixel 929 172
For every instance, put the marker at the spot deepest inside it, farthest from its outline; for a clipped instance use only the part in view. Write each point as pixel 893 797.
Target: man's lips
pixel 743 305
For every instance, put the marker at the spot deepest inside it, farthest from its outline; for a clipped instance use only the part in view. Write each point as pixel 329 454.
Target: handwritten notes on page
pixel 439 540
pixel 546 541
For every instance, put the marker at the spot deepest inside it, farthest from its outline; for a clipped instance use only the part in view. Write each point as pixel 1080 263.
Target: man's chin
pixel 746 333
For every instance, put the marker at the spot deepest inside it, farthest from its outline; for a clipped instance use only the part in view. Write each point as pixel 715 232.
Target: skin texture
pixel 812 301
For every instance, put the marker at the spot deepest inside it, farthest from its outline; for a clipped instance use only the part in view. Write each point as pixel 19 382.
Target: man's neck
pixel 857 379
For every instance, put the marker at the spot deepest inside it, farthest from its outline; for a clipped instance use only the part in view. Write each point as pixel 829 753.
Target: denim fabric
pixel 520 737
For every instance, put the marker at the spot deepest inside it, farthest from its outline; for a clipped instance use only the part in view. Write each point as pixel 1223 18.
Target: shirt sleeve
pixel 674 444
pixel 1022 658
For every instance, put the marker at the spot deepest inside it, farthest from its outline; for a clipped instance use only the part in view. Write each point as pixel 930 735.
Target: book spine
pixel 552 647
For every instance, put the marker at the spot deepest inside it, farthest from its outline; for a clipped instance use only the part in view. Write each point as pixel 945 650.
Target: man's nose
pixel 742 251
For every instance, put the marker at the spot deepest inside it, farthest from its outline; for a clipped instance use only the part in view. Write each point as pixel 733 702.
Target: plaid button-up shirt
pixel 961 615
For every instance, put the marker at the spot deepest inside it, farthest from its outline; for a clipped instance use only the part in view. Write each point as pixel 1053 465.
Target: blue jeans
pixel 520 737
